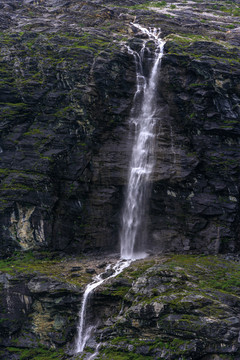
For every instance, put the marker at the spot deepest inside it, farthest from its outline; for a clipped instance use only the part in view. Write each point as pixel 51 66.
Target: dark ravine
pixel 66 90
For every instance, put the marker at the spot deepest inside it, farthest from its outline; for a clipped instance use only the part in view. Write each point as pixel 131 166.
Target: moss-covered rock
pixel 178 307
pixel 158 308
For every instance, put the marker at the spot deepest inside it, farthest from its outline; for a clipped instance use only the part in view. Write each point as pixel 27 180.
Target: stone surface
pixel 183 306
pixel 66 89
pixel 158 308
pixel 66 92
pixel 37 309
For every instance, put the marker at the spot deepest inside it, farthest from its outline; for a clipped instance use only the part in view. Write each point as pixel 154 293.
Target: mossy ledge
pixel 158 308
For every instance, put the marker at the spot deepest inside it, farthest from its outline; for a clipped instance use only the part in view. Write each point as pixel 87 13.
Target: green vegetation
pixel 39 353
pixel 34 131
pixel 28 262
pixel 183 46
pixel 208 272
pixel 159 4
pixel 233 11
pixel 187 39
pixel 147 5
pixel 118 344
pixel 192 289
pixel 110 354
pixel 212 272
pixel 15 186
pixel 230 26
pixel 137 269
pixel 12 110
pixel 118 291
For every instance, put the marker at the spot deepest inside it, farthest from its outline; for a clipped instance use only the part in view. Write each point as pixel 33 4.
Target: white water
pixel 141 166
pixel 84 330
pixel 142 160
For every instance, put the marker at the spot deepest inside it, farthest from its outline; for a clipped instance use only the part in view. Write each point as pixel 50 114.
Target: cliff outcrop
pixel 66 90
pixel 172 307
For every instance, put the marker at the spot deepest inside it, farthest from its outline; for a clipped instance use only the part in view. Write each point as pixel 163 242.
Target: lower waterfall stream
pixel 143 119
pixel 84 330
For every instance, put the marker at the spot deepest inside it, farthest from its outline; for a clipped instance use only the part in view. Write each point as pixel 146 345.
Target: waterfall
pixel 143 117
pixel 142 160
pixel 85 330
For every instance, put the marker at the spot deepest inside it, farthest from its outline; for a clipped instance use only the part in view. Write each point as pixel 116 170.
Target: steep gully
pixel 143 120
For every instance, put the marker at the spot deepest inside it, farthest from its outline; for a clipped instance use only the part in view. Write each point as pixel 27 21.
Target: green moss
pixel 15 186
pixel 4 172
pixel 27 263
pixel 10 110
pixel 137 269
pixel 33 132
pixel 160 4
pixel 147 5
pixel 109 354
pixel 211 271
pixel 230 26
pixel 119 291
pixel 39 353
pixel 175 346
pixel 64 111
pixel 184 42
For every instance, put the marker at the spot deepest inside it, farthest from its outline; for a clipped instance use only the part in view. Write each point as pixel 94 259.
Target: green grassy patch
pixel 137 269
pixel 39 353
pixel 27 262
pixel 110 354
pixel 115 351
pixel 212 272
pixel 147 5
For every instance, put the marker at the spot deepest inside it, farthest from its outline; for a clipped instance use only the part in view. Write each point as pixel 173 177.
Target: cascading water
pixel 85 330
pixel 142 160
pixel 141 166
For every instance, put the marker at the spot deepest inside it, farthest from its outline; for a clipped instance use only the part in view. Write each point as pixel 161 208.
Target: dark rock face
pixel 197 171
pixel 66 89
pixel 36 309
pixel 66 92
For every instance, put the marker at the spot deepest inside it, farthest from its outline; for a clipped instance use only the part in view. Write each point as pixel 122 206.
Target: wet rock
pixel 90 271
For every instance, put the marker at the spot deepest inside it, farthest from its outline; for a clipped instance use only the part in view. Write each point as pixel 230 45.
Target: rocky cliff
pixel 66 89
pixel 66 92
pixel 171 308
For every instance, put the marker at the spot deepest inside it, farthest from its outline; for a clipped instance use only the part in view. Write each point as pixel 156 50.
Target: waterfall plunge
pixel 140 168
pixel 142 160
